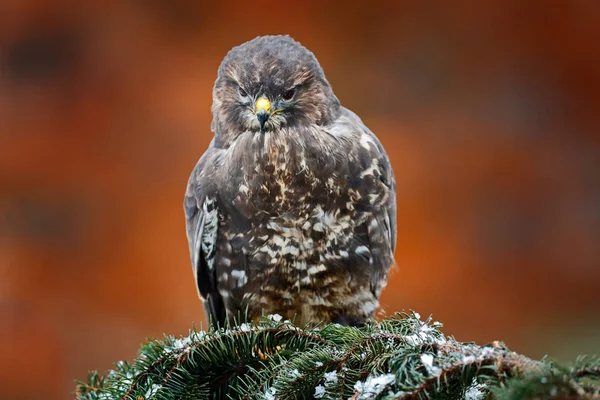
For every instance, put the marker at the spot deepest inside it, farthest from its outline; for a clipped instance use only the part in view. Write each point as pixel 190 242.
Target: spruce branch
pixel 401 357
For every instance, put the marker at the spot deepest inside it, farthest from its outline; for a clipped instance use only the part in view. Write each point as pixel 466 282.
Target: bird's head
pixel 269 83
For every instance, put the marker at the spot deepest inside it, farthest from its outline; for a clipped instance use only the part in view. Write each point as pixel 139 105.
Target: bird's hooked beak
pixel 262 109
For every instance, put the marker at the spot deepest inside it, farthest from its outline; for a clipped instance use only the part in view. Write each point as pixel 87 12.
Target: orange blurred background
pixel 489 111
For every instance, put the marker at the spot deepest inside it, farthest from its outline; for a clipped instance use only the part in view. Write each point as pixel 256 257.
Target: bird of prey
pixel 291 210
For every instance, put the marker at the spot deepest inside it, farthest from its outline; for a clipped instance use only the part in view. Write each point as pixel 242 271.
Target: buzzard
pixel 291 209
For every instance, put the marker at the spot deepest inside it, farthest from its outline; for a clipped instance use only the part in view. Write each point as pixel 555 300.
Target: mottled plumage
pixel 291 209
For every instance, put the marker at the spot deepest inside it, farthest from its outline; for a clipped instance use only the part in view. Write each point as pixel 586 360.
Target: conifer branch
pixel 401 357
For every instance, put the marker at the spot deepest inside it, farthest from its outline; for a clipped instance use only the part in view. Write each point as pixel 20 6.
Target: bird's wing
pixel 371 175
pixel 202 223
pixel 381 227
pixel 389 208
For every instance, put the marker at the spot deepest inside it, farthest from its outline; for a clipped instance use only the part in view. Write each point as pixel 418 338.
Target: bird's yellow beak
pixel 263 104
pixel 262 108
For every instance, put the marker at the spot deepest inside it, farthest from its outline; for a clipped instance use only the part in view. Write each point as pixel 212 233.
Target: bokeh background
pixel 489 111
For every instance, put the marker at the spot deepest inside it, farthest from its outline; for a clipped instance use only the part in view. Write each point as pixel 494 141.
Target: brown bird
pixel 291 209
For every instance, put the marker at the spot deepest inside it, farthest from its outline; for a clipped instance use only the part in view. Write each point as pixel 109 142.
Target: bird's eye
pixel 242 92
pixel 288 94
